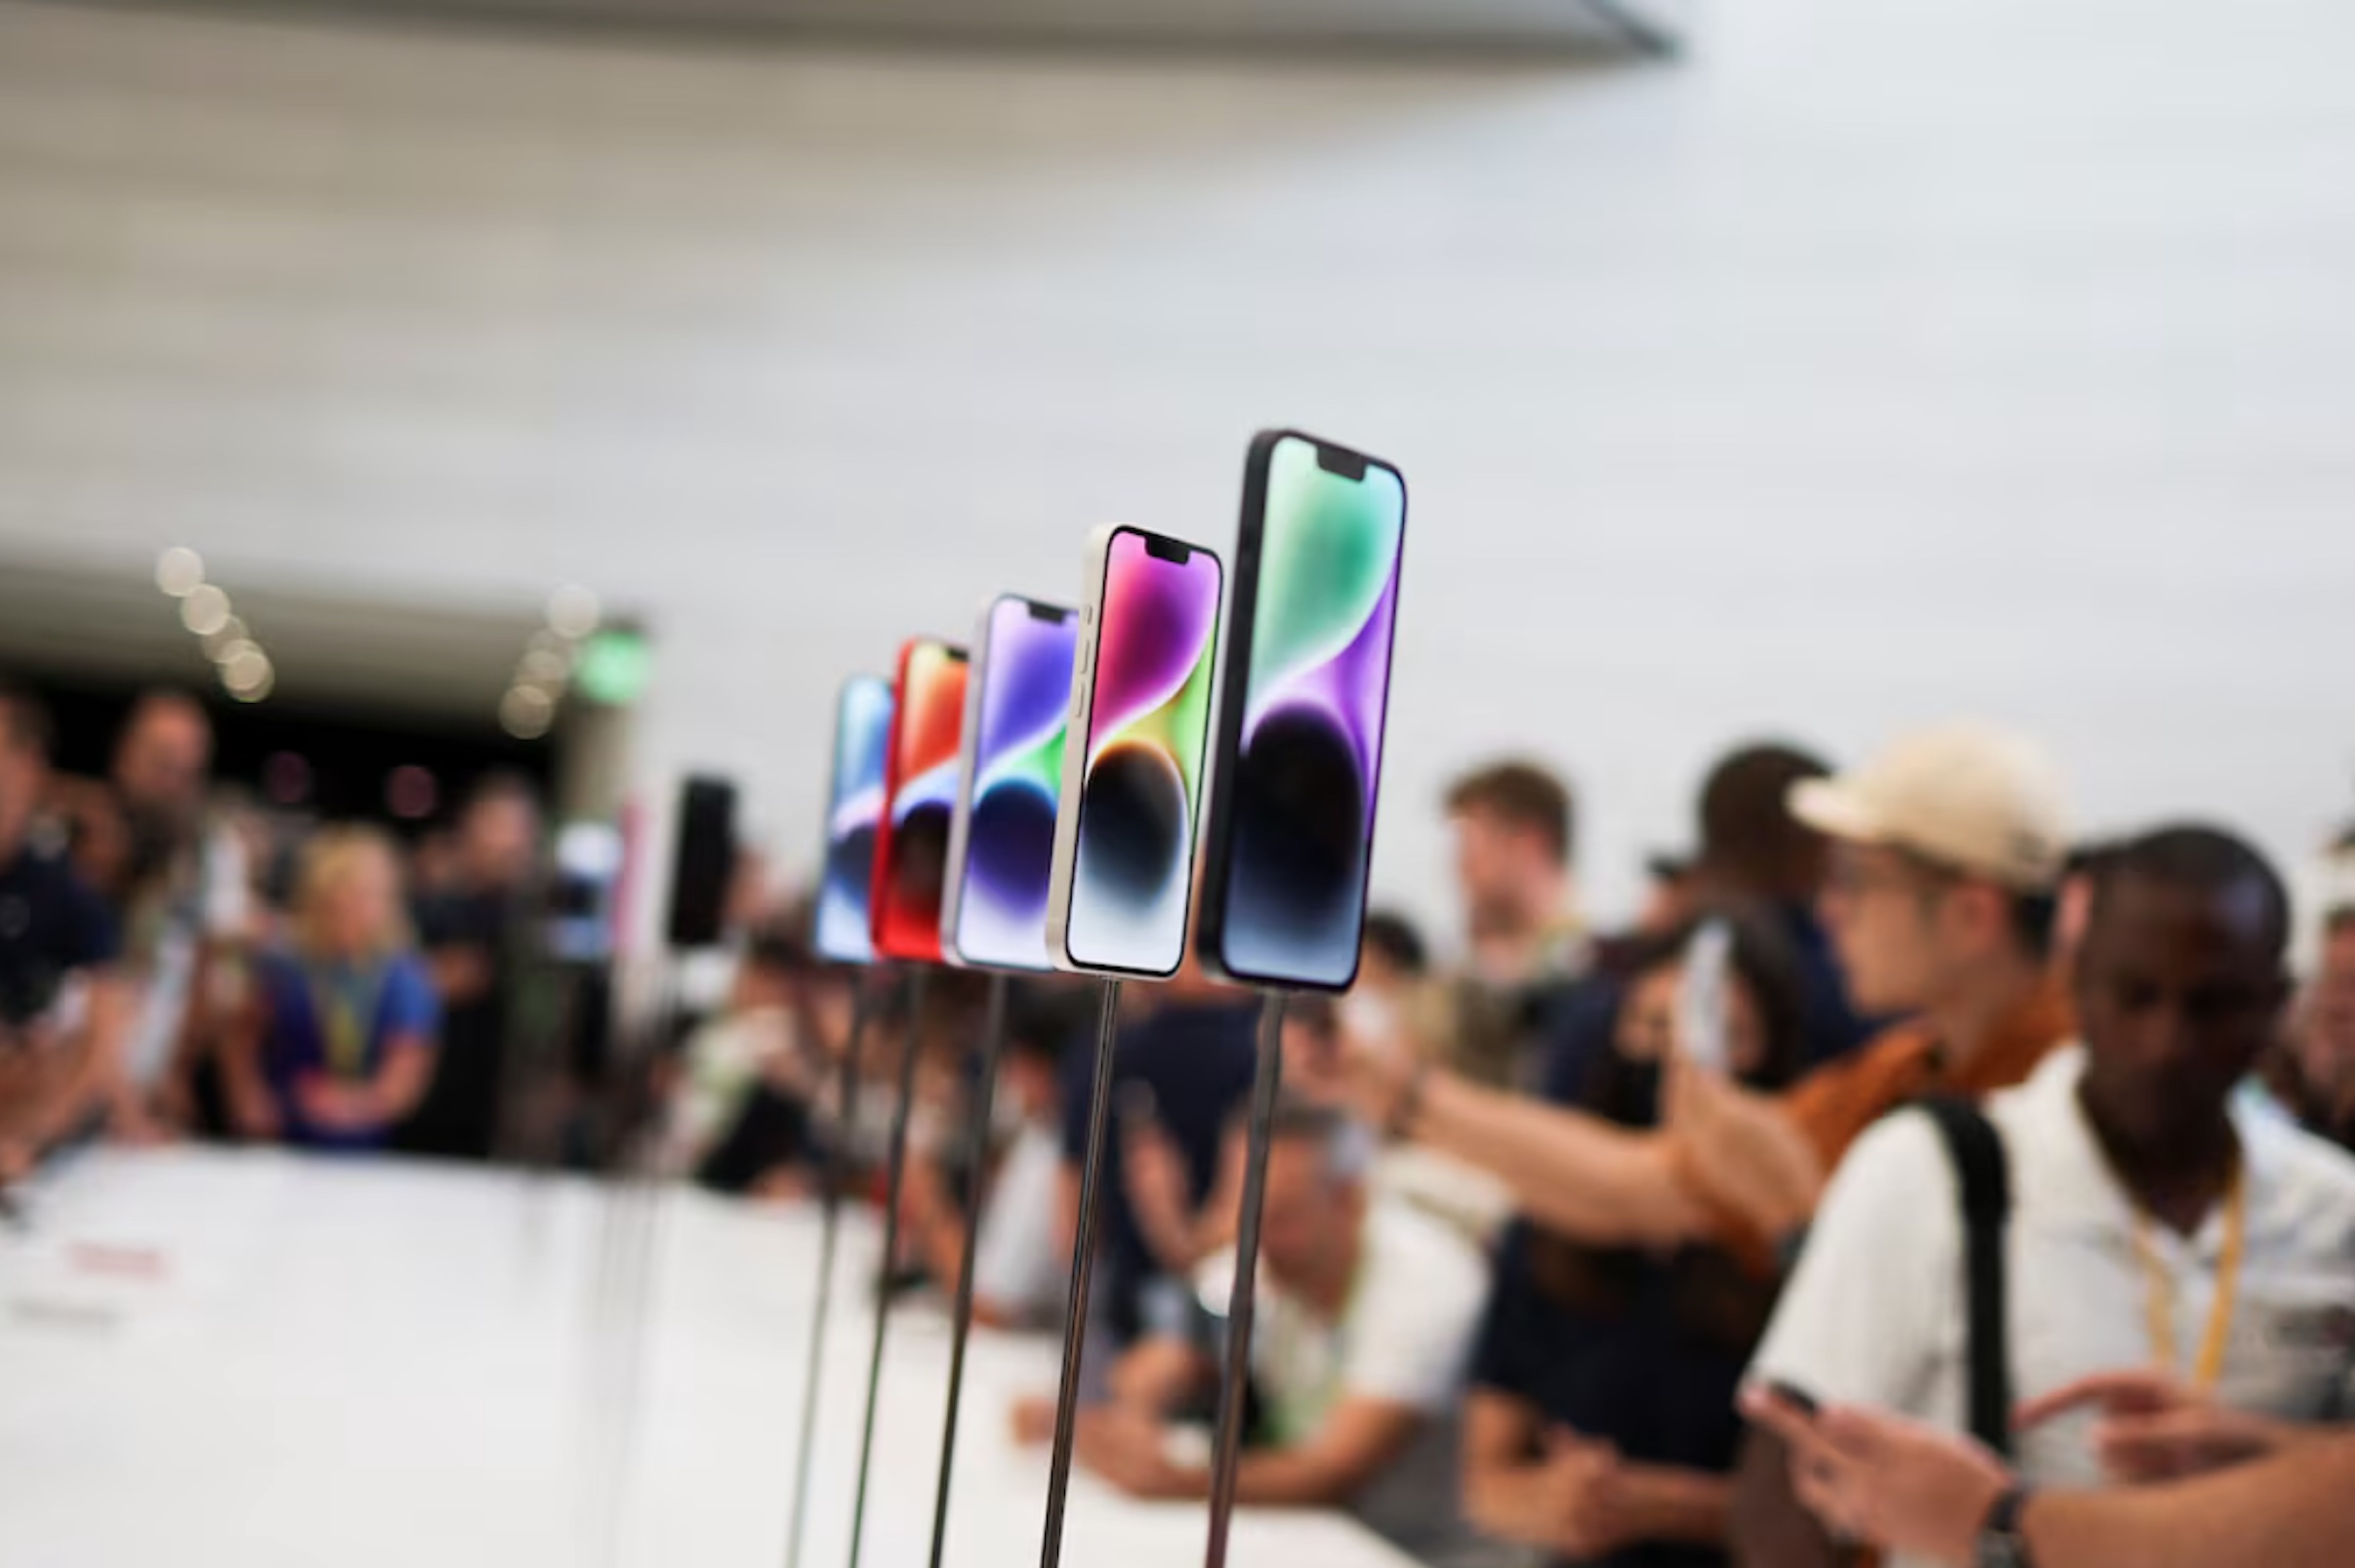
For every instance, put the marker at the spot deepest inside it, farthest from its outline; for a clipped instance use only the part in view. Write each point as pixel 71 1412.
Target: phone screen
pixel 1317 601
pixel 1701 996
pixel 862 732
pixel 1025 699
pixel 920 773
pixel 1148 728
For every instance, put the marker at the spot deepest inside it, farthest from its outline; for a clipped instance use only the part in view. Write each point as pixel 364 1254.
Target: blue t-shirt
pixel 1832 1026
pixel 1634 1373
pixel 1198 1059
pixel 1579 1026
pixel 340 1019
pixel 1649 1365
pixel 52 925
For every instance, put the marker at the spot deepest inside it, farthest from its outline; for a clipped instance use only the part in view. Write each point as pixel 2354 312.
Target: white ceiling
pixel 1638 27
pixel 106 620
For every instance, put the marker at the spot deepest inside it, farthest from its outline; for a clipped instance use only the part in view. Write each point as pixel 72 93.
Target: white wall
pixel 1882 360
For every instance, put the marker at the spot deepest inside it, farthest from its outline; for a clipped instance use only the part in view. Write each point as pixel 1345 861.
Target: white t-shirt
pixel 1405 1338
pixel 1875 1312
pixel 724 1059
pixel 1017 1265
pixel 212 903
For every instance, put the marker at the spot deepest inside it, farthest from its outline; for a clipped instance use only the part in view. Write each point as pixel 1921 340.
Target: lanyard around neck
pixel 2158 1299
pixel 342 1005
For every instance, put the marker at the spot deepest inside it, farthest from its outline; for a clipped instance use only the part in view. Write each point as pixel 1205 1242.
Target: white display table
pixel 251 1360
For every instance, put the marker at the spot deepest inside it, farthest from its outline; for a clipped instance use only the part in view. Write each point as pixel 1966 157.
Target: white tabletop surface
pixel 253 1359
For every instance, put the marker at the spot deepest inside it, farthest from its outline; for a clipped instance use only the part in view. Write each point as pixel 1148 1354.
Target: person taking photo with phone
pixel 1600 1427
pixel 1945 853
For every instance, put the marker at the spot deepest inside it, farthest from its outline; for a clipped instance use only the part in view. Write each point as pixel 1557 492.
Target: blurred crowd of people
pixel 178 963
pixel 1907 1161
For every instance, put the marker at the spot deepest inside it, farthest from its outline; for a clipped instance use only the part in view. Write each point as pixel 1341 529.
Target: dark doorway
pixel 340 761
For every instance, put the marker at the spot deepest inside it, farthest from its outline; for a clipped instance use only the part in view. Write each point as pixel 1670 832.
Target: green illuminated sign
pixel 613 668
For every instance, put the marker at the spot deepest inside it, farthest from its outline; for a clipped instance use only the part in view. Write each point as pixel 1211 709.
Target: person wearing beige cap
pixel 2163 1245
pixel 1946 848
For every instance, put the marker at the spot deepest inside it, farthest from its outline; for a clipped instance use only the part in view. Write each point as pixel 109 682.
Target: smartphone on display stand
pixel 1122 886
pixel 1001 845
pixel 1307 692
pixel 919 787
pixel 854 796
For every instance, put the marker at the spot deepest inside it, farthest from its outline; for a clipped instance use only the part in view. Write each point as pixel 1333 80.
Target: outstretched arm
pixel 1357 1441
pixel 1571 1173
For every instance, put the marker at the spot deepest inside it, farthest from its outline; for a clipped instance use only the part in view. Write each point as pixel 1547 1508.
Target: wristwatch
pixel 2001 1544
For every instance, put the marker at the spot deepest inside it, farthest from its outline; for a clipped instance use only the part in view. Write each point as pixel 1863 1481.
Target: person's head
pixel 2324 1042
pixel 1040 1026
pixel 1751 845
pixel 499 832
pixel 770 973
pixel 1945 851
pixel 752 897
pixel 2180 983
pixel 1765 1008
pixel 434 861
pixel 1393 955
pixel 2072 900
pixel 161 759
pixel 1669 894
pixel 347 895
pixel 97 840
pixel 25 742
pixel 1515 834
pixel 1316 1191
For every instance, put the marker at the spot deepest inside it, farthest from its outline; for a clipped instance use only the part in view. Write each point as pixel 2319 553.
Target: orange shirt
pixel 1833 1105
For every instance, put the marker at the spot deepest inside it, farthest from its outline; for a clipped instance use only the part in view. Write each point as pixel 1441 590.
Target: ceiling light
pixel 206 610
pixel 541 668
pixel 573 611
pixel 218 644
pixel 252 683
pixel 180 571
pixel 526 711
pixel 411 792
pixel 248 674
pixel 286 778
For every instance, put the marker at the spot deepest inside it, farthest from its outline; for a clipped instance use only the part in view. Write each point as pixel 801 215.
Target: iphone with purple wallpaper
pixel 1290 840
pixel 1121 885
pixel 1000 855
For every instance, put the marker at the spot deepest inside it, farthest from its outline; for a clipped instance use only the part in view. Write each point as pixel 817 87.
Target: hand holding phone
pixel 1702 997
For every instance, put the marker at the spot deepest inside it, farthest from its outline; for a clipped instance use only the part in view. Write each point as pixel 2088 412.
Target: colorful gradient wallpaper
pixel 920 772
pixel 1018 773
pixel 862 733
pixel 1310 745
pixel 1148 729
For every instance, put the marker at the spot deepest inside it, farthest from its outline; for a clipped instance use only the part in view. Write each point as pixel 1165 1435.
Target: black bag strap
pixel 1983 1174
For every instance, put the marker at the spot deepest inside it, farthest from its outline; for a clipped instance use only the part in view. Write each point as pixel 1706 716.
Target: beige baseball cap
pixel 1967 795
